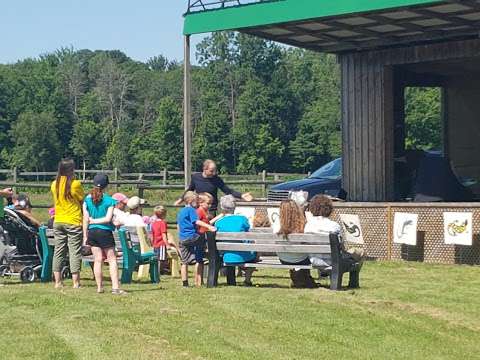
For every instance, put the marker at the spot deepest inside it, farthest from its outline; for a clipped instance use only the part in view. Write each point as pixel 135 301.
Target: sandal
pixel 118 292
pixel 100 291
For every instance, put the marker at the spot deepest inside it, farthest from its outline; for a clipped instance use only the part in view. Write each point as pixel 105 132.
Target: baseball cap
pixel 120 197
pixel 227 203
pixel 134 202
pixel 101 181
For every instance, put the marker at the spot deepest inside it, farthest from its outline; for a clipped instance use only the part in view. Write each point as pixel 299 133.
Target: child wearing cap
pixel 160 240
pixel 134 217
pixel 188 221
pixel 98 231
pixel 119 213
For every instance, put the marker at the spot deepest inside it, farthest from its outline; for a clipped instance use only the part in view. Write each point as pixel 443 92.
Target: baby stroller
pixel 20 250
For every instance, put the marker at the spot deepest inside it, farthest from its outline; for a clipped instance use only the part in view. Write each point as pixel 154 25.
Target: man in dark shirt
pixel 208 181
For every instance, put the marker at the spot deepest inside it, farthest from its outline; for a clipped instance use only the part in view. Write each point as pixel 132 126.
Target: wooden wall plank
pixel 369 108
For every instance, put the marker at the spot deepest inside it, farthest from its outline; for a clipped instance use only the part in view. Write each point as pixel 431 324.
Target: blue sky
pixel 141 29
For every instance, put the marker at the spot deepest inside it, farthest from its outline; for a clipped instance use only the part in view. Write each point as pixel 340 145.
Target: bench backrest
pixel 48 234
pixel 273 243
pixel 133 230
pixel 145 242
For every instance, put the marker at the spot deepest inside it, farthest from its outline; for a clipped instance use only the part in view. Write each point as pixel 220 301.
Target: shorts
pixel 101 238
pixel 161 253
pixel 192 254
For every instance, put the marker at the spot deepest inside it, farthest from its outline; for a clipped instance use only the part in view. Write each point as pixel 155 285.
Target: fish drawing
pixel 402 230
pixel 352 229
pixel 456 228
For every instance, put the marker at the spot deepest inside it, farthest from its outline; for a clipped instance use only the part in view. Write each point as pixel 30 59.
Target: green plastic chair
pixel 133 258
pixel 47 255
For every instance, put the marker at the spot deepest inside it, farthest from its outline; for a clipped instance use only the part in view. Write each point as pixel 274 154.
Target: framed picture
pixel 458 228
pixel 405 228
pixel 352 228
pixel 247 211
pixel 274 217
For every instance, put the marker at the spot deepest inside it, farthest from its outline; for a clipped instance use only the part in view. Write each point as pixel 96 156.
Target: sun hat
pixel 101 181
pixel 134 202
pixel 120 197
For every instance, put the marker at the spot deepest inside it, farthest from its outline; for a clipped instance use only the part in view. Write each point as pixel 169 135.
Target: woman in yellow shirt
pixel 68 197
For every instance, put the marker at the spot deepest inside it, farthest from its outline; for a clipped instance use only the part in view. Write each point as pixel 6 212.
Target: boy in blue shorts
pixel 188 223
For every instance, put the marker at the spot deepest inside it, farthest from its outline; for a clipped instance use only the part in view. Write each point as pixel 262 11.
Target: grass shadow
pixel 159 288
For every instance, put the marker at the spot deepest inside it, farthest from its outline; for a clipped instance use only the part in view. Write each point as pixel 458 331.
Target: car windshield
pixel 331 170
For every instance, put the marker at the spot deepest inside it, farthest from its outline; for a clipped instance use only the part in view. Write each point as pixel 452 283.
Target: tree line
pixel 256 105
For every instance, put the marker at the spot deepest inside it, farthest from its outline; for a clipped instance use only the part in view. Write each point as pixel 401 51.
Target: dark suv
pixel 421 176
pixel 326 180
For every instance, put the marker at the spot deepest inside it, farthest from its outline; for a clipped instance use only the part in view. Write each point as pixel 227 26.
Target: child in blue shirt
pixel 231 222
pixel 190 240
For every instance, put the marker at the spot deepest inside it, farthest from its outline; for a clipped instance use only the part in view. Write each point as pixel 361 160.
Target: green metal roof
pixel 341 25
pixel 282 11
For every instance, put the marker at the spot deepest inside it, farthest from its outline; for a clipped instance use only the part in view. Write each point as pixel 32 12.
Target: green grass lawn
pixel 402 311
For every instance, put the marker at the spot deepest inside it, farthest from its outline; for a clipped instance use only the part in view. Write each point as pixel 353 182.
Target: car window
pixel 331 170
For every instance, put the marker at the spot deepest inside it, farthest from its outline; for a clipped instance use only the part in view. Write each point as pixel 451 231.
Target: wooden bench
pixel 269 243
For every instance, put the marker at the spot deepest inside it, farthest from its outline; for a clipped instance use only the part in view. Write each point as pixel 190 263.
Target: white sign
pixel 308 215
pixel 274 218
pixel 300 197
pixel 405 228
pixel 352 229
pixel 248 212
pixel 458 228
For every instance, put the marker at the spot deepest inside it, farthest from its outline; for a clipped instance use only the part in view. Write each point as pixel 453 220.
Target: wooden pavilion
pixel 383 46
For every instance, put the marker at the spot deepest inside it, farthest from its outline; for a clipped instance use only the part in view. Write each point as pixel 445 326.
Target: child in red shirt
pixel 160 240
pixel 204 202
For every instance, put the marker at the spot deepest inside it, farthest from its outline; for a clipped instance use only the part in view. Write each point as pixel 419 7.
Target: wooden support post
pixel 164 175
pixel 115 178
pixel 389 232
pixel 264 185
pixel 15 178
pixel 187 114
pixel 15 174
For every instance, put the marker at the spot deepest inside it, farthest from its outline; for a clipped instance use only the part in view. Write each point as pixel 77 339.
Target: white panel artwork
pixel 274 217
pixel 405 228
pixel 457 228
pixel 352 228
pixel 247 211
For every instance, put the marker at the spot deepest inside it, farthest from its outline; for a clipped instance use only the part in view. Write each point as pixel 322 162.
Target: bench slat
pixel 273 238
pixel 276 266
pixel 274 248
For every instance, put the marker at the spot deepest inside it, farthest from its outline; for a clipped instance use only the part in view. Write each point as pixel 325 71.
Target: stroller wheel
pixel 27 274
pixel 3 270
pixel 66 274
